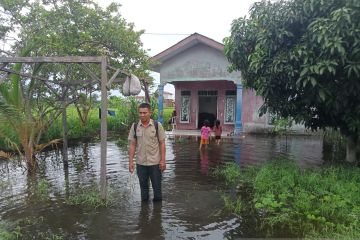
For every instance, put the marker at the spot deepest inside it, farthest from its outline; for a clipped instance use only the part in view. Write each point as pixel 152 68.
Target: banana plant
pixel 22 126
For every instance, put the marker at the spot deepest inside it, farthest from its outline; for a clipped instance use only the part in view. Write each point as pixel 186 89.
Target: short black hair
pixel 206 123
pixel 217 122
pixel 145 105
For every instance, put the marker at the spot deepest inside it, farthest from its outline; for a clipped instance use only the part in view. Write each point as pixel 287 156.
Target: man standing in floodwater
pixel 148 136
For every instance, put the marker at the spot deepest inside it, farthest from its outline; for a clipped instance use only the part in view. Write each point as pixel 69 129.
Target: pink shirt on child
pixel 205 132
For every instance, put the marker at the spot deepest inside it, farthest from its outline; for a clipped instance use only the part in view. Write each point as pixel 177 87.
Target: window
pixel 230 101
pixel 185 107
pixel 207 93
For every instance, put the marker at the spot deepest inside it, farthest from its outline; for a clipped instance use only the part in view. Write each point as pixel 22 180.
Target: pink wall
pixel 250 104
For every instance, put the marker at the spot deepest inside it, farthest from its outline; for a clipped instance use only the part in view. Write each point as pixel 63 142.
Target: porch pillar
pixel 238 124
pixel 160 103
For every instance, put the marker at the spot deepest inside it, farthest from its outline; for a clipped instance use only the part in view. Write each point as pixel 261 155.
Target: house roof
pixel 183 45
pixel 169 93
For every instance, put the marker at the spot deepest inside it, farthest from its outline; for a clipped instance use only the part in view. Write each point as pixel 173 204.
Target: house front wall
pixel 250 105
pixel 194 87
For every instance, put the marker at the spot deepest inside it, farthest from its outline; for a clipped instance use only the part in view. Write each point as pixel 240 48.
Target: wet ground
pixel 192 207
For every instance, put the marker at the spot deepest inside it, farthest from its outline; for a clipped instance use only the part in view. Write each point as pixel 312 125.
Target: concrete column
pixel 161 103
pixel 238 124
pixel 103 132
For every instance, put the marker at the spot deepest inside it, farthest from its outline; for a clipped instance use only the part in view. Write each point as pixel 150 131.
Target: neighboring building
pixel 204 89
pixel 168 99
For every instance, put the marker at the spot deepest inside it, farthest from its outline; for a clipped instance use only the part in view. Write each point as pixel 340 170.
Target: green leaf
pixel 313 82
pixel 322 95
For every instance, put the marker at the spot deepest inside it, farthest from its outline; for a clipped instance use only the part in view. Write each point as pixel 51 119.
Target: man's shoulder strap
pixel 135 127
pixel 156 124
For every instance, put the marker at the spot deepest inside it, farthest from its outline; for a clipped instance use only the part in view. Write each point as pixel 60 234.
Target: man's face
pixel 144 114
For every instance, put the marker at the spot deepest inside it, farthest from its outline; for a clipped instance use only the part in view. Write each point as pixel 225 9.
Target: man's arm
pixel 162 165
pixel 132 149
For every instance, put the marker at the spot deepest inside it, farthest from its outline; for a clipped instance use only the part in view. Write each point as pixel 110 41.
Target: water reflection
pixel 237 154
pixel 204 161
pixel 150 225
pixel 192 206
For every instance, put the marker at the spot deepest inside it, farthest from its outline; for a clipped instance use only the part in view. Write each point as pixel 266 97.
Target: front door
pixel 207 107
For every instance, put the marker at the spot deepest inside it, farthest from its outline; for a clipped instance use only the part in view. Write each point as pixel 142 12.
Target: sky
pixel 167 22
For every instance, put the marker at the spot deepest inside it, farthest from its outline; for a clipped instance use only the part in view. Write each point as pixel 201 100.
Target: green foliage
pixel 19 230
pixel 88 197
pixel 42 189
pixel 302 57
pixel 230 172
pixel 60 28
pixel 305 203
pixel 7 232
pixel 235 206
pixel 334 145
pixel 282 125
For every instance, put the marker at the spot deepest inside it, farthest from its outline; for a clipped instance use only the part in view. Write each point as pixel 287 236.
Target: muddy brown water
pixel 192 207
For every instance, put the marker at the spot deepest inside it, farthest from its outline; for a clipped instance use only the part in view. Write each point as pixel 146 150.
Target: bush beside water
pixel 125 115
pixel 301 203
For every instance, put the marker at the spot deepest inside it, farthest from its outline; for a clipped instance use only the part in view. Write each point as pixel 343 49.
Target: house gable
pixel 196 58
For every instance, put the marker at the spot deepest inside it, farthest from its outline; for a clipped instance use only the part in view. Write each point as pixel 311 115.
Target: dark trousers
pixel 154 174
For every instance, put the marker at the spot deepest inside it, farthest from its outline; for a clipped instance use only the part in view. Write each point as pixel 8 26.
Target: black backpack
pixel 156 124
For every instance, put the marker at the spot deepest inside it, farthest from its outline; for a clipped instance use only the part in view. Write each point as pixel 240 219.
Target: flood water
pixel 192 206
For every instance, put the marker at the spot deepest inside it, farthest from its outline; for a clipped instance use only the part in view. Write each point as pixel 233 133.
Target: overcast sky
pixel 160 18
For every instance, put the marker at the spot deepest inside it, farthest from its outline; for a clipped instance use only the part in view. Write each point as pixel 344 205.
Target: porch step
pixel 177 132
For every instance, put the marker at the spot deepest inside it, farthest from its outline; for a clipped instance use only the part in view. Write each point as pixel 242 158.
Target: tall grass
pixel 303 203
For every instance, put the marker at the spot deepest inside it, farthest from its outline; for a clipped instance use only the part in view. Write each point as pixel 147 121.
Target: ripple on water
pixel 192 206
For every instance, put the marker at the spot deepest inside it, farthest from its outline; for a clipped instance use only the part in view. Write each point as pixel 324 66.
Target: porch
pixel 196 133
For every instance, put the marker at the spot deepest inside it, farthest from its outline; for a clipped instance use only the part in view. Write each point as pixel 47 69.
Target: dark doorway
pixel 207 110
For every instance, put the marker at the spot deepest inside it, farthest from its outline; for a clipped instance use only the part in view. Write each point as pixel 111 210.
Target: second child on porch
pixel 205 134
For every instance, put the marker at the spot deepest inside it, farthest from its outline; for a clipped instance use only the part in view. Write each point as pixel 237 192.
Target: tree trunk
pixel 146 90
pixel 351 149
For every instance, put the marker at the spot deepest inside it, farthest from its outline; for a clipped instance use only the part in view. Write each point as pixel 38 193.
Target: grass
pixel 230 172
pixel 42 189
pixel 89 197
pixel 27 228
pixel 303 203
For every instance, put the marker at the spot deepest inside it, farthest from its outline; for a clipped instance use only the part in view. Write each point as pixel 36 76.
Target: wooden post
pixel 104 103
pixel 65 132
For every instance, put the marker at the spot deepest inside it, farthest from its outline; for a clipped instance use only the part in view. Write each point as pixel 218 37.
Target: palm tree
pixel 16 117
pixel 21 126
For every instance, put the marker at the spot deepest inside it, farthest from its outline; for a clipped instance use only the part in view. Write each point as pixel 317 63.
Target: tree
pixel 303 58
pixel 60 28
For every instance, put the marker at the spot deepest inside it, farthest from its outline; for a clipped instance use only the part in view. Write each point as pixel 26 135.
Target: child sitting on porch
pixel 218 131
pixel 205 134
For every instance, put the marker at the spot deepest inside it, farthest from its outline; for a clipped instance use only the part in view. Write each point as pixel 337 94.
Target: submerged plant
pixel 233 205
pixel 20 230
pixel 230 172
pixel 88 197
pixel 42 189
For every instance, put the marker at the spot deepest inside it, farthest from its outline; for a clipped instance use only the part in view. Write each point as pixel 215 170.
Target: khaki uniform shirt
pixel 148 147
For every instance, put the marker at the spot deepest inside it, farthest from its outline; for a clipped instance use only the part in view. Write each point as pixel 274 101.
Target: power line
pixel 175 34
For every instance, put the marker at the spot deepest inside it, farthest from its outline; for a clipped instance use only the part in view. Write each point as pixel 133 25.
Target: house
pixel 204 89
pixel 168 99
